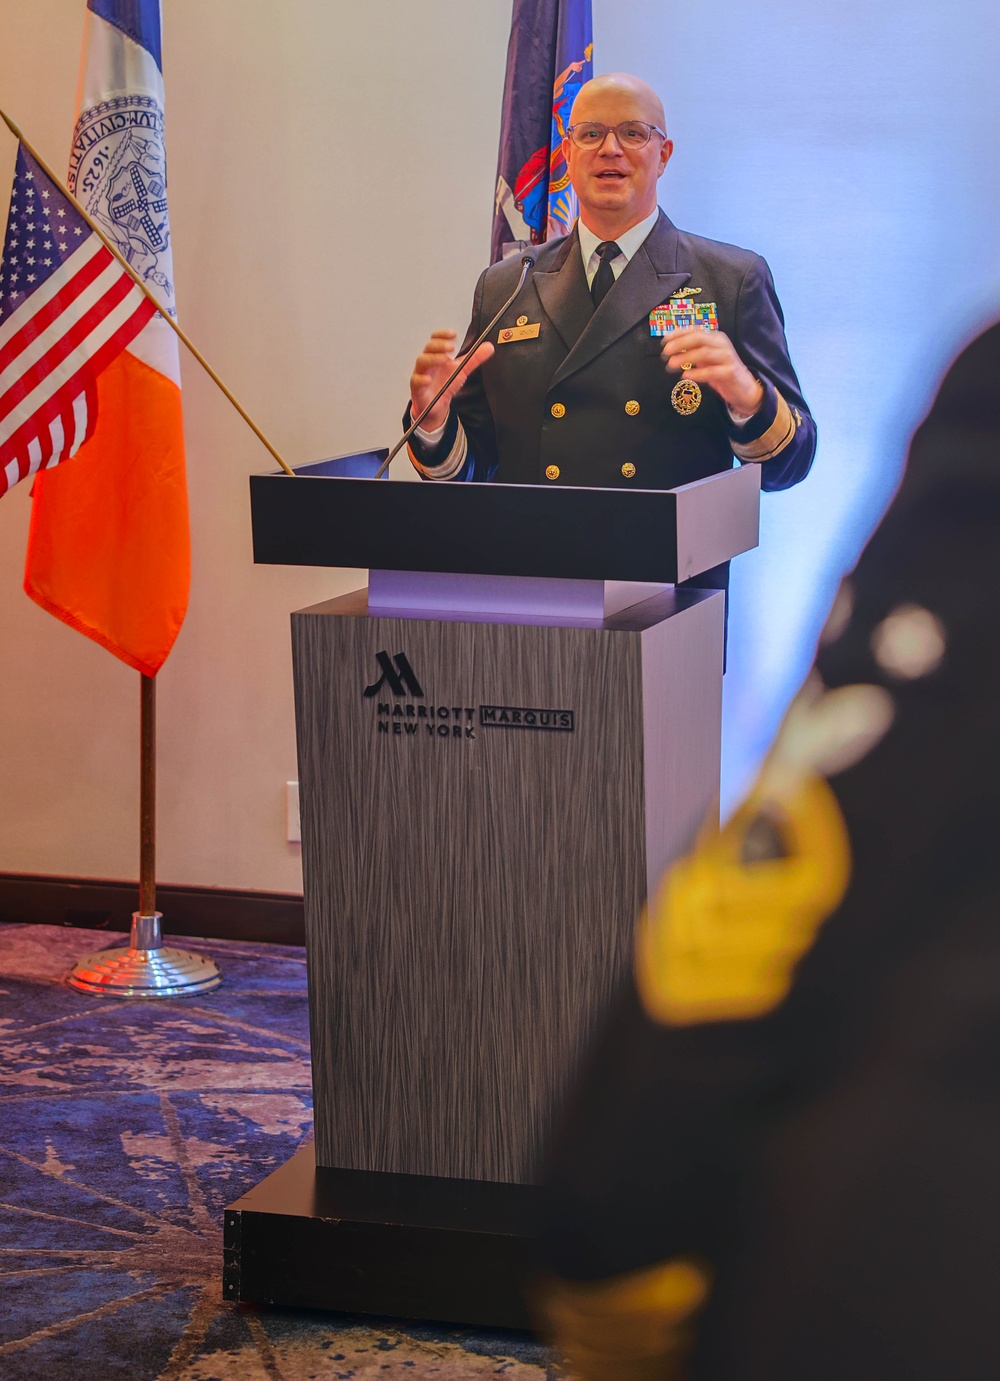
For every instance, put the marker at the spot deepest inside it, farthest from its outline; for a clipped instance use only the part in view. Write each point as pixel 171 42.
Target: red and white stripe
pixel 52 347
pixel 47 443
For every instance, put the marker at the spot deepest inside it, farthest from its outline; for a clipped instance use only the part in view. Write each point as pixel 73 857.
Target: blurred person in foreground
pixel 783 1161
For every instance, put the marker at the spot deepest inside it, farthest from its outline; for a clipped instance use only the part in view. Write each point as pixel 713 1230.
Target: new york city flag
pixel 549 57
pixel 108 547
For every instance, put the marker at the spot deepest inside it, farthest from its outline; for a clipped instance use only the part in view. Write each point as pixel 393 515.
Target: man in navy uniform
pixel 604 375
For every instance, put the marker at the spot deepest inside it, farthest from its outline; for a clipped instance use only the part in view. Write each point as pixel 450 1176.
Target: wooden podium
pixel 503 742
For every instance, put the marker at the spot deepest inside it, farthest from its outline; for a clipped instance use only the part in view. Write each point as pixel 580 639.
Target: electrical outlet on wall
pixel 293 829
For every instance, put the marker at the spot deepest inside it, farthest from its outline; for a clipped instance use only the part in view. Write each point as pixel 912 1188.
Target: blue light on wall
pixel 856 147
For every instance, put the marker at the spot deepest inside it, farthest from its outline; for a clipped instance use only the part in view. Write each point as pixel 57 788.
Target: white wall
pixel 330 200
pixel 857 147
pixel 331 172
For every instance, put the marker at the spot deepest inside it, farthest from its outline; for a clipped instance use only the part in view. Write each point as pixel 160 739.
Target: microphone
pixel 527 260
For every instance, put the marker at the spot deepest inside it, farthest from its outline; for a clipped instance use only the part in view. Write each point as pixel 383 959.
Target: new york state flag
pixel 549 56
pixel 109 546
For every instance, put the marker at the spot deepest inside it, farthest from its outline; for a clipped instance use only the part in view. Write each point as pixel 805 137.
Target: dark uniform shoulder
pixel 700 248
pixel 967 389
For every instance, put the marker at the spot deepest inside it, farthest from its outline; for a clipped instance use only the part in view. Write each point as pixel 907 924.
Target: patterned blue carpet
pixel 125 1130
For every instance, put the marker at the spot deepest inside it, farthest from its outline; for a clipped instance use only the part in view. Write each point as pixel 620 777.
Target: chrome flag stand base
pixel 146 968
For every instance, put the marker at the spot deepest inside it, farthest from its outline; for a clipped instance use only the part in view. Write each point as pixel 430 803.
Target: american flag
pixel 67 309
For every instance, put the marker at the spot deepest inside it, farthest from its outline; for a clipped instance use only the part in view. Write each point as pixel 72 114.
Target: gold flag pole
pixel 141 285
pixel 147 968
pixel 147 795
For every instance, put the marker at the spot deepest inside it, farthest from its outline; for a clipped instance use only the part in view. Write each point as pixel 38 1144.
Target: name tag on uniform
pixel 679 313
pixel 523 332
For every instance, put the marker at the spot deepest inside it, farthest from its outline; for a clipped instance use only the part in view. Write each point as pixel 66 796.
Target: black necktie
pixel 604 279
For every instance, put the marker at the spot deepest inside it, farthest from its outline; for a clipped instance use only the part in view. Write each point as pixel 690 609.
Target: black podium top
pixel 330 514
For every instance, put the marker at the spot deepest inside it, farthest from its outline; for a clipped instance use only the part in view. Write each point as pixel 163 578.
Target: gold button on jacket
pixel 631 407
pixel 628 469
pixel 552 472
pixel 558 410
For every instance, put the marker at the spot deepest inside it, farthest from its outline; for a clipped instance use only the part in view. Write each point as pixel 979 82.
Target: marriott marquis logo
pixel 401 717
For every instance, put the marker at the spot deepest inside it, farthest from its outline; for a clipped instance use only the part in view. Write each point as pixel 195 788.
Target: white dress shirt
pixel 627 244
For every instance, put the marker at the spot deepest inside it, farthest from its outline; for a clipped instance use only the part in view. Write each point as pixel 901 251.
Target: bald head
pixel 614 88
pixel 615 182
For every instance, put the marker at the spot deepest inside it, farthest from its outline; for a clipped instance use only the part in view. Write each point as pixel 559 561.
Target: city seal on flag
pixel 118 169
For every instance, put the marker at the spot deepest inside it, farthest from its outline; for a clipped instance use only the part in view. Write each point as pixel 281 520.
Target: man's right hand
pixel 434 364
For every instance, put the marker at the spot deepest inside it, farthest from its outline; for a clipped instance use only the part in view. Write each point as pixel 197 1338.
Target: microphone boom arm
pixel 526 263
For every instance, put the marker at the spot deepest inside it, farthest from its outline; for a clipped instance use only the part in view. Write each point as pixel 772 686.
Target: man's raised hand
pixel 709 357
pixel 434 363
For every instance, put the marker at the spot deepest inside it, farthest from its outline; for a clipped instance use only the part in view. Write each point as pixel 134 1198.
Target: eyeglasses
pixel 631 134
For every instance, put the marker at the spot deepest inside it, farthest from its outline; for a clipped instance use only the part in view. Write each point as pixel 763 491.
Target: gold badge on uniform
pixel 522 331
pixel 686 397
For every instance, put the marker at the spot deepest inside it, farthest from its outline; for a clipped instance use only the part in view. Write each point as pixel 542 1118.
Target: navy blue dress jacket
pixel 587 400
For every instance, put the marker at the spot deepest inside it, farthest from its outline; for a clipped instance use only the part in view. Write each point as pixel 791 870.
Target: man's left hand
pixel 714 361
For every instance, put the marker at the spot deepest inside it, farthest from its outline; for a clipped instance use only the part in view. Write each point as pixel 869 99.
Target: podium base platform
pixel 362 1242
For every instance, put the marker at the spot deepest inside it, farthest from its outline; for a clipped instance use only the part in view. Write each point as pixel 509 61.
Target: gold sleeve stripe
pixel 774 440
pixel 452 462
pixel 634 1327
pixel 723 938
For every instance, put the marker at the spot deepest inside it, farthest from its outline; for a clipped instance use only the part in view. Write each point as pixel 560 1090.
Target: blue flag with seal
pixel 549 57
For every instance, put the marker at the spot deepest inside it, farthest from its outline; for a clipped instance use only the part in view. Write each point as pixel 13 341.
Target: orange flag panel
pixel 109 549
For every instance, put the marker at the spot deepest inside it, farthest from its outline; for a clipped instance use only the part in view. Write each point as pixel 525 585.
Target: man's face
pixel 616 185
